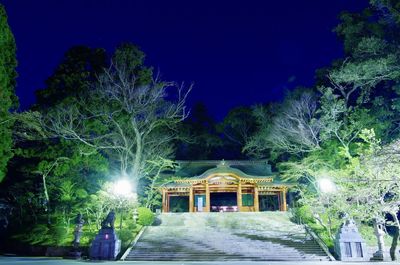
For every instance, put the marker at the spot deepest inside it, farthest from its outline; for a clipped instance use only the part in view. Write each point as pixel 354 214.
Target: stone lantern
pixel 349 244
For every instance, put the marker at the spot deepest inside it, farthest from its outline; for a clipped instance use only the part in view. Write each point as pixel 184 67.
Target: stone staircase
pixel 264 236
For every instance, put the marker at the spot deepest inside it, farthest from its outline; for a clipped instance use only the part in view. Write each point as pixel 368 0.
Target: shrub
pixel 303 215
pixel 146 216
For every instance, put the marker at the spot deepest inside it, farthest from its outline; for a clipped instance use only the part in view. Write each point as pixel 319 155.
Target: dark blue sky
pixel 236 52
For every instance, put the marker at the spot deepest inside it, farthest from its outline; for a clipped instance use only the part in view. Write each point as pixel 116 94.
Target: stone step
pixel 211 258
pixel 228 236
pixel 221 254
pixel 227 256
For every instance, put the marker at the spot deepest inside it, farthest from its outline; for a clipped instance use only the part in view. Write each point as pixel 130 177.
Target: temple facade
pixel 224 186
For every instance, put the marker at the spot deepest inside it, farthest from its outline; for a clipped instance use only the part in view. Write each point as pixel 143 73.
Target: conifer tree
pixel 8 99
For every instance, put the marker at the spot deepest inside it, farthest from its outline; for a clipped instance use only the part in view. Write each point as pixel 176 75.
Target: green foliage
pixel 355 26
pixel 349 134
pixel 237 128
pixel 131 58
pixel 146 216
pixel 303 214
pixel 95 116
pixel 154 179
pixel 8 100
pixel 72 77
pixel 61 175
pixel 128 231
pixel 198 137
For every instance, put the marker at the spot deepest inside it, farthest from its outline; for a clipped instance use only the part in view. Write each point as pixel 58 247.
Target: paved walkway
pixel 52 261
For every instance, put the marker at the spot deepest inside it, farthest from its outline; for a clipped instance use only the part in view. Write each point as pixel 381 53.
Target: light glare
pixel 326 185
pixel 122 187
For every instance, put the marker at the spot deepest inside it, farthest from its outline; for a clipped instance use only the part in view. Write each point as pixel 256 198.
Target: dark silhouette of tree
pixel 8 99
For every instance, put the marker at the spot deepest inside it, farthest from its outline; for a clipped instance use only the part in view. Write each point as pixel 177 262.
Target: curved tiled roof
pixel 198 171
pixel 226 169
pixel 190 168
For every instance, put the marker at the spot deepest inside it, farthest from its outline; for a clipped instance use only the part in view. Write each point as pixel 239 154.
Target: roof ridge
pixel 228 162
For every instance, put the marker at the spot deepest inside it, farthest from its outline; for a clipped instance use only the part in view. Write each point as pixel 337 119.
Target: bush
pixel 146 216
pixel 303 215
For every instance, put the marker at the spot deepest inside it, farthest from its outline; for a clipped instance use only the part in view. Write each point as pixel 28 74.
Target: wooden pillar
pixel 279 194
pixel 164 201
pixel 256 202
pixel 239 196
pixel 284 207
pixel 191 199
pixel 208 201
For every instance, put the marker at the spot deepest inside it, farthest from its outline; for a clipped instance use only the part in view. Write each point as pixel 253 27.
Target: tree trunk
pixel 394 244
pixel 46 195
pixel 395 237
pixel 138 154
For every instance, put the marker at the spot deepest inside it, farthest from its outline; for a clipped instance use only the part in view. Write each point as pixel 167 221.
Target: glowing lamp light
pixel 122 187
pixel 326 185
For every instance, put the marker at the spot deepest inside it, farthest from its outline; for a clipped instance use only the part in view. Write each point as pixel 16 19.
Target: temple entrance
pixel 178 204
pixel 223 188
pixel 268 203
pixel 223 202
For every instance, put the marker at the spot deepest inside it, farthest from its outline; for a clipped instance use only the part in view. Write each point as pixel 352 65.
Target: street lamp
pixel 326 188
pixel 326 185
pixel 122 189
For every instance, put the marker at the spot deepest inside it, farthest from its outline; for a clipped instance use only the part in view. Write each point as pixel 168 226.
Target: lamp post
pixel 122 189
pixel 326 188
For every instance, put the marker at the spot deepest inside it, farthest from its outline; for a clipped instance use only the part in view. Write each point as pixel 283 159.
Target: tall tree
pixel 236 129
pixel 8 100
pixel 329 135
pixel 127 114
pixel 72 77
pixel 198 135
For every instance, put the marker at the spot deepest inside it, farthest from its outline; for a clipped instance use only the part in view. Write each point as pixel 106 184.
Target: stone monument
pixel 106 245
pixel 349 244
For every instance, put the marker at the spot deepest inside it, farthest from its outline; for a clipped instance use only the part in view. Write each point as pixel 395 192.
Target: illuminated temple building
pixel 224 186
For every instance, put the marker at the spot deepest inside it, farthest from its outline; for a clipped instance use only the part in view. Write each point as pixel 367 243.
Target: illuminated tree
pixel 128 114
pixel 296 128
pixel 374 192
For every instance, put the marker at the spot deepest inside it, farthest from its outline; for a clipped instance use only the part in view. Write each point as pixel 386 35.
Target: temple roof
pixel 255 170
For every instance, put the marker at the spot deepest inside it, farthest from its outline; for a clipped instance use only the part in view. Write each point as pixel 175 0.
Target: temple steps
pixel 266 236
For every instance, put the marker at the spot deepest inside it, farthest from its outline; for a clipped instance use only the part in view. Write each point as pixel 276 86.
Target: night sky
pixel 235 52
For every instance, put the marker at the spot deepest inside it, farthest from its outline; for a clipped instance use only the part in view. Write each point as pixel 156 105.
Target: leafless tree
pixel 128 120
pixel 297 129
